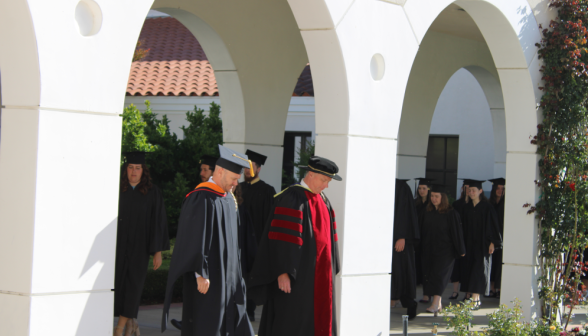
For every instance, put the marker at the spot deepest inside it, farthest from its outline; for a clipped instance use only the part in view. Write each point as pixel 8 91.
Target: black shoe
pixel 177 324
pixel 497 295
pixel 465 298
pixel 454 296
pixel 412 311
pixel 477 305
pixel 490 294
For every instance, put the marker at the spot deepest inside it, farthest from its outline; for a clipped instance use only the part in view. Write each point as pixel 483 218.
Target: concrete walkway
pixel 150 317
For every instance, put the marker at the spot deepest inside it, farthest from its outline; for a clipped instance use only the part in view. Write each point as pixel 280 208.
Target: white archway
pixel 70 118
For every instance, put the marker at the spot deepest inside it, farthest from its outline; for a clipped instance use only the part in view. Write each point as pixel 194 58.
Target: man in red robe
pixel 294 271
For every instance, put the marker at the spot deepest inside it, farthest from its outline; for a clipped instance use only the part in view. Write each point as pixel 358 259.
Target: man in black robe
pixel 207 165
pixel 206 254
pixel 258 198
pixel 297 261
pixel 406 232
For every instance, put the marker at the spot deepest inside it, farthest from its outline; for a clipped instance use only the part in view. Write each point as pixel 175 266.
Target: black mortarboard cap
pixel 498 181
pixel 439 188
pixel 475 183
pixel 208 160
pixel 135 157
pixel 233 160
pixel 466 181
pixel 256 157
pixel 424 181
pixel 323 166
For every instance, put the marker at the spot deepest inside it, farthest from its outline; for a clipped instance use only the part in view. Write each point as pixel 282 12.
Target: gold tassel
pixel 250 164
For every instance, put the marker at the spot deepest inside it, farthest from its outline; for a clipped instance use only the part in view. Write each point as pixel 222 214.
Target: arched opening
pixel 460 37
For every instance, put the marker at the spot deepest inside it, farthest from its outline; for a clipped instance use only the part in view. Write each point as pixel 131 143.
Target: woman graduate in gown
pixel 421 201
pixel 458 206
pixel 497 200
pixel 441 243
pixel 482 237
pixel 141 233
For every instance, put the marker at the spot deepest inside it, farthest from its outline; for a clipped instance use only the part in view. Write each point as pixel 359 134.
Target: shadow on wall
pixel 526 29
pixel 91 321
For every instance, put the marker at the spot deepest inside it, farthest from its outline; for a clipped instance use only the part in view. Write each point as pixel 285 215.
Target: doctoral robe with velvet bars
pixel 299 239
pixel 207 243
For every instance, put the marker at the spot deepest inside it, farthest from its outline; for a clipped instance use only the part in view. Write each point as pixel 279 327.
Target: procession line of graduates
pixel 232 237
pixel 435 243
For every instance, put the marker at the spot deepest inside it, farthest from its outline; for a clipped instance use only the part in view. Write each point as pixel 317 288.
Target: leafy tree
pixel 134 138
pixel 173 163
pixel 201 137
pixel 562 143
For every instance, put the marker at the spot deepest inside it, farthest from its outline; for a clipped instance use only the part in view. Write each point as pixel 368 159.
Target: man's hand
pixel 203 284
pixel 156 260
pixel 399 247
pixel 491 249
pixel 284 283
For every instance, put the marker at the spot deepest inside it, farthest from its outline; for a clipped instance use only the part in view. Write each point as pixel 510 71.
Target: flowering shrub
pixel 503 322
pixel 562 141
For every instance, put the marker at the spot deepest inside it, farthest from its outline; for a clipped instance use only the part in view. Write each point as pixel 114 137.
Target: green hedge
pixel 155 285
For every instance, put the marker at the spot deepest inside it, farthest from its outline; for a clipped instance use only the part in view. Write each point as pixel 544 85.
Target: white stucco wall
pixel 462 110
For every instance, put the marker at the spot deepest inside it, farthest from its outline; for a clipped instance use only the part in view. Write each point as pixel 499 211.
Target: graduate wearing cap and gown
pixel 294 271
pixel 141 232
pixel 482 237
pixel 421 200
pixel 441 243
pixel 458 206
pixel 406 232
pixel 258 196
pixel 207 165
pixel 498 203
pixel 206 255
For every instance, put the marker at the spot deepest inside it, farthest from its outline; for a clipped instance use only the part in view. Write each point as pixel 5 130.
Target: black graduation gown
pixel 247 241
pixel 141 231
pixel 458 207
pixel 258 199
pixel 207 243
pixel 497 256
pixel 406 226
pixel 442 242
pixel 480 227
pixel 300 240
pixel 420 209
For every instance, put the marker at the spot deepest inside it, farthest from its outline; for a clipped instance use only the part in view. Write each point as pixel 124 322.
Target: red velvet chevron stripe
pixel 287 225
pixel 285 237
pixel 288 212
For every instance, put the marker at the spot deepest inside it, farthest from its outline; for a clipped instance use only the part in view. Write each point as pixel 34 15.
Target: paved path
pixel 150 318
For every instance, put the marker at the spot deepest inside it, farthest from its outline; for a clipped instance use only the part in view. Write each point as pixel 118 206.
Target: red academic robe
pixel 300 240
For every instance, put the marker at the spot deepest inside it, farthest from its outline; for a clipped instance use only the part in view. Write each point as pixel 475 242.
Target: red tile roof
pixel 177 66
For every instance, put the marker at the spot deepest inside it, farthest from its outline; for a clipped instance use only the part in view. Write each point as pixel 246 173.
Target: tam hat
pixel 475 183
pixel 135 157
pixel 259 159
pixel 498 181
pixel 208 160
pixel 439 188
pixel 424 181
pixel 233 161
pixel 320 165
